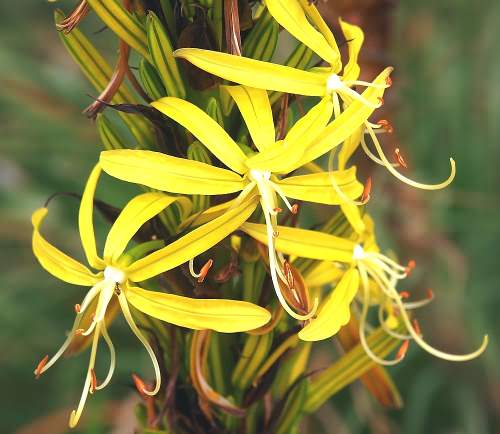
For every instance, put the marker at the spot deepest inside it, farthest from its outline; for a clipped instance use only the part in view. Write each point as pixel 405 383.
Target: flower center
pixel 115 275
pixel 333 83
pixel 358 253
pixel 259 175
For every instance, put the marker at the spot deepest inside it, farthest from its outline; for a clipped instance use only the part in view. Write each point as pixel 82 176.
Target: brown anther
pixel 410 267
pixel 365 197
pixel 416 326
pixel 78 332
pixel 93 381
pixel 40 366
pixel 400 158
pixel 289 275
pixel 77 308
pixel 118 291
pixel 295 208
pixel 276 234
pixel 204 270
pixel 386 125
pixel 430 294
pixel 277 209
pixel 380 101
pixel 388 81
pixel 404 294
pixel 403 349
pixel 140 386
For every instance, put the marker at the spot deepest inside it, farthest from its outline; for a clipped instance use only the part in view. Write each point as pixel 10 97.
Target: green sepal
pixel 196 151
pixel 110 136
pixel 261 42
pixel 151 80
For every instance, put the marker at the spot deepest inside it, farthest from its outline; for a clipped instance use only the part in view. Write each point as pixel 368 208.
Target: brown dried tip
pixel 77 308
pixel 402 350
pixel 404 294
pixel 295 208
pixel 400 158
pixel 289 275
pixel 416 326
pixel 365 197
pixel 74 18
pixel 93 381
pixel 139 385
pixel 386 125
pixel 204 270
pixel 40 366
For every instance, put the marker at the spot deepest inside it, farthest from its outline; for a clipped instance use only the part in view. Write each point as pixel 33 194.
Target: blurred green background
pixel 446 101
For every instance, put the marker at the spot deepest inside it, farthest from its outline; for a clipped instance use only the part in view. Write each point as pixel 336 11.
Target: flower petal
pixel 86 219
pixel 343 126
pixel 335 311
pixel 255 73
pixel 205 129
pixel 324 273
pixel 291 15
pixel 353 215
pixel 349 146
pixel 317 187
pixel 137 212
pixel 226 316
pixel 256 111
pixel 195 242
pixel 167 173
pixel 304 243
pixel 276 158
pixel 56 262
pixel 354 37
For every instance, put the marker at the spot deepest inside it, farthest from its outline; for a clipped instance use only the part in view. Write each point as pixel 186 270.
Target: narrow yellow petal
pixel 324 273
pixel 137 212
pixel 335 312
pixel 349 147
pixel 205 129
pixel 167 173
pixel 354 217
pixel 225 316
pixel 276 158
pixel 354 37
pixel 291 15
pixel 192 244
pixel 256 111
pixel 255 73
pixel 304 243
pixel 56 262
pixel 86 219
pixel 317 187
pixel 346 124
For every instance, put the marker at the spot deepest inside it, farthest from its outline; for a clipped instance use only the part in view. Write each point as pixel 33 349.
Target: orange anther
pixel 410 267
pixel 295 208
pixel 204 270
pixel 404 294
pixel 380 101
pixel 400 158
pixel 78 332
pixel 77 308
pixel 402 350
pixel 386 125
pixel 365 197
pixel 276 234
pixel 93 381
pixel 430 294
pixel 139 385
pixel 388 81
pixel 416 326
pixel 40 366
pixel 277 209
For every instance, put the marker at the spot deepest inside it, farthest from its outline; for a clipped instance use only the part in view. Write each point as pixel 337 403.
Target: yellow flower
pixel 117 272
pixel 299 17
pixel 363 262
pixel 256 174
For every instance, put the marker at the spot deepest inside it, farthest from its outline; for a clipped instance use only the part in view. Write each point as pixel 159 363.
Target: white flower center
pixel 333 83
pixel 358 253
pixel 260 175
pixel 115 275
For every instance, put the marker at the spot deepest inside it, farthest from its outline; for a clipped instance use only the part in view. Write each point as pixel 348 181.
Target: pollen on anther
pixel 40 366
pixel 402 350
pixel 78 332
pixel 295 208
pixel 139 385
pixel 365 197
pixel 77 308
pixel 277 209
pixel 400 158
pixel 276 234
pixel 404 294
pixel 430 294
pixel 388 81
pixel 386 125
pixel 204 270
pixel 410 267
pixel 416 326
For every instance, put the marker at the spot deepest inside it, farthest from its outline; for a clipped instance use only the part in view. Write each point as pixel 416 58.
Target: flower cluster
pixel 225 172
